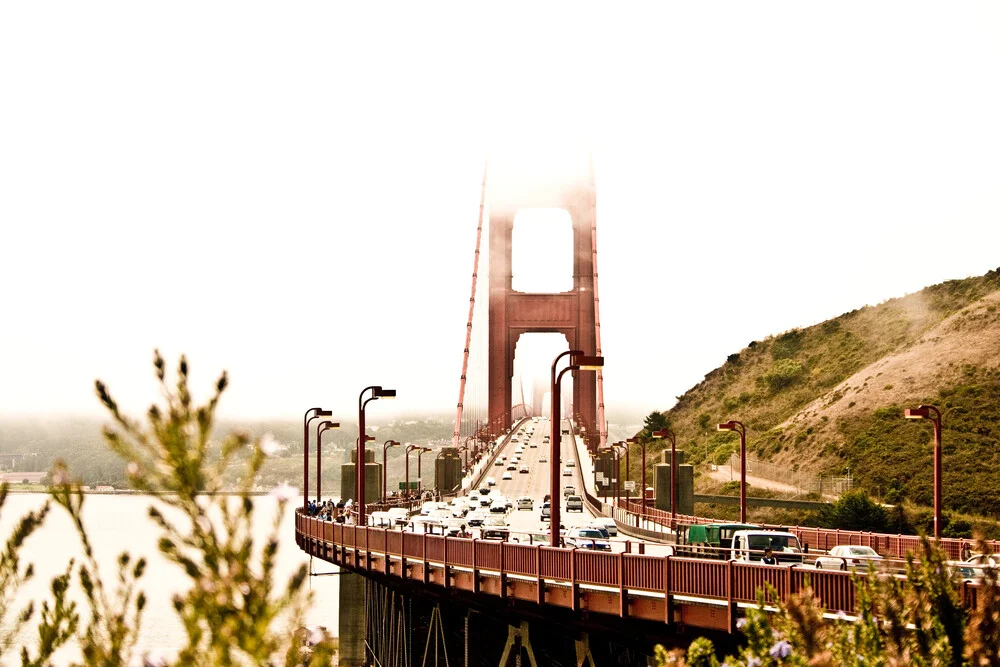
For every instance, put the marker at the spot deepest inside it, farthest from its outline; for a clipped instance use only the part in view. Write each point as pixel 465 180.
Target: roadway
pixel 536 483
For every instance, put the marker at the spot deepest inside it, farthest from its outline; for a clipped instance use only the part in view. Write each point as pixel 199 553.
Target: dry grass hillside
pixel 831 396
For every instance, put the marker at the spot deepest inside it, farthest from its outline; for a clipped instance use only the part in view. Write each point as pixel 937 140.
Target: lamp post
pixel 406 484
pixel 385 478
pixel 618 447
pixel 321 428
pixel 733 425
pixel 669 435
pixel 578 361
pixel 932 413
pixel 420 481
pixel 308 417
pixel 359 466
pixel 628 463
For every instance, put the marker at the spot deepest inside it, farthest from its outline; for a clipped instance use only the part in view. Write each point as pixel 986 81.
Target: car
pixel 569 490
pixel 607 523
pixel 567 472
pixel 847 556
pixel 587 538
pixel 476 518
pixel 484 501
pixel 546 510
pixel 533 446
pixel 498 507
pixel 523 470
pixel 499 463
pixel 571 463
pixel 499 533
pixel 992 560
pixel 507 475
pixel 574 503
pixel 512 466
pixel 489 482
pixel 544 459
pixel 974 573
pixel 484 489
pixel 399 515
pixel 525 503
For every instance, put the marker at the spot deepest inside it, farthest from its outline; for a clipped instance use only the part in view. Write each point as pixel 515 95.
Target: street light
pixel 578 361
pixel 618 447
pixel 628 463
pixel 406 485
pixel 669 435
pixel 321 428
pixel 308 417
pixel 359 485
pixel 385 447
pixel 420 484
pixel 733 425
pixel 932 413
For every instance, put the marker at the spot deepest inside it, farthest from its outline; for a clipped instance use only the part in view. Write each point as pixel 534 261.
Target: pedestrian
pixel 769 558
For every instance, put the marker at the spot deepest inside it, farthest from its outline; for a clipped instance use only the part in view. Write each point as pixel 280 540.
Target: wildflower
pixel 780 650
pixel 284 492
pixel 269 445
pixel 841 616
pixel 741 623
pixel 133 469
pixel 753 661
pixel 316 635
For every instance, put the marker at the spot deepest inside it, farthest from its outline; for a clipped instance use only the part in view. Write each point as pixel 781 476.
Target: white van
pixel 749 545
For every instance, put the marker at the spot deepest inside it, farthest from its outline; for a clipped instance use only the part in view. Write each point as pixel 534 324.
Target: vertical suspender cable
pixel 456 436
pixel 602 427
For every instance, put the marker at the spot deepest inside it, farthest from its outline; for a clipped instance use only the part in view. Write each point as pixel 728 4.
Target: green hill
pixel 832 395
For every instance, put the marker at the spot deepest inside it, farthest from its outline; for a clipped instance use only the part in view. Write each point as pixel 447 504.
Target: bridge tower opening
pixel 566 185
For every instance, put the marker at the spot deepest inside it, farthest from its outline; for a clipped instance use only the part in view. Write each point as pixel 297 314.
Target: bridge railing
pixel 722 581
pixel 823 539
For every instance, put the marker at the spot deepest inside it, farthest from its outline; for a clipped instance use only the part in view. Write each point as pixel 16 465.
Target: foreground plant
pixel 919 621
pixel 235 612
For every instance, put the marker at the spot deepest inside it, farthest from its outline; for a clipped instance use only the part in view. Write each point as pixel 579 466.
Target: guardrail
pixel 670 589
pixel 886 544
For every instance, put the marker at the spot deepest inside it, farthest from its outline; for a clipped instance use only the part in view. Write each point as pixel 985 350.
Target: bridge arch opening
pixel 533 355
pixel 542 251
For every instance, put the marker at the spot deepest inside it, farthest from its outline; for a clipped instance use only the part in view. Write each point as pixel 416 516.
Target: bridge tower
pixel 563 184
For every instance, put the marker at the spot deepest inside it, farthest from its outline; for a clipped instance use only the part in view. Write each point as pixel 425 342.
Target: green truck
pixel 709 540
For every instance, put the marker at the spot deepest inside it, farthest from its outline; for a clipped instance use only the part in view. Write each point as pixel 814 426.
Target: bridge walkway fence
pixel 659 524
pixel 664 589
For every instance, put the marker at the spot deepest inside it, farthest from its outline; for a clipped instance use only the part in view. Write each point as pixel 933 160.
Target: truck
pixel 748 546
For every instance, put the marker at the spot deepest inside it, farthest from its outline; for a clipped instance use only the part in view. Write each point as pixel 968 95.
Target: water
pixel 117 523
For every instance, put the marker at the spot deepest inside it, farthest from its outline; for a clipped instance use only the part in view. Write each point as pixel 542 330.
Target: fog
pixel 291 193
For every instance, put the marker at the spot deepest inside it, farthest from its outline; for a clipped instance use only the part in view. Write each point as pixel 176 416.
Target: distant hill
pixel 832 395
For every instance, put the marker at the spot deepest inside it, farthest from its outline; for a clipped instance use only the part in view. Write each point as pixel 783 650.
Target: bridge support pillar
pixel 352 619
pixel 583 654
pixel 517 639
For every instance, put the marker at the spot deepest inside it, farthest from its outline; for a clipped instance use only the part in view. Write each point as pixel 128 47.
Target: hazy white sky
pixel 289 191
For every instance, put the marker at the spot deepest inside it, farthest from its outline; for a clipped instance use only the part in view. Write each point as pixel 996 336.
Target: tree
pixel 655 421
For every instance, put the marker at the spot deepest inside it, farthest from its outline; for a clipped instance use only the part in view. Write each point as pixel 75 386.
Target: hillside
pixel 831 396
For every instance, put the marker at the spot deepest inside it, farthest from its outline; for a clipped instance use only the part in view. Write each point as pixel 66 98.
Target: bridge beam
pixel 513 313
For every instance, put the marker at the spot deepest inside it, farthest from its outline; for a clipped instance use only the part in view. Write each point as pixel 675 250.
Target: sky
pixel 290 191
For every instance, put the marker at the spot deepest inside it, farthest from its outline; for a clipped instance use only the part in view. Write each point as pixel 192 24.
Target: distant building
pixel 104 488
pixel 20 477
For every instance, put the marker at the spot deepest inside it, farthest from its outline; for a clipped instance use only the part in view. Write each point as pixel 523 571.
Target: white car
pixel 567 472
pixel 490 482
pixel 544 459
pixel 847 556
pixel 574 503
pixel 607 523
pixel 524 469
pixel 507 475
pixel 587 538
pixel 525 503
pixel 571 463
pixel 499 506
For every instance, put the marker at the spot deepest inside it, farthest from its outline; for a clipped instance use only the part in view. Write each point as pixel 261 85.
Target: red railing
pixel 823 539
pixel 728 583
